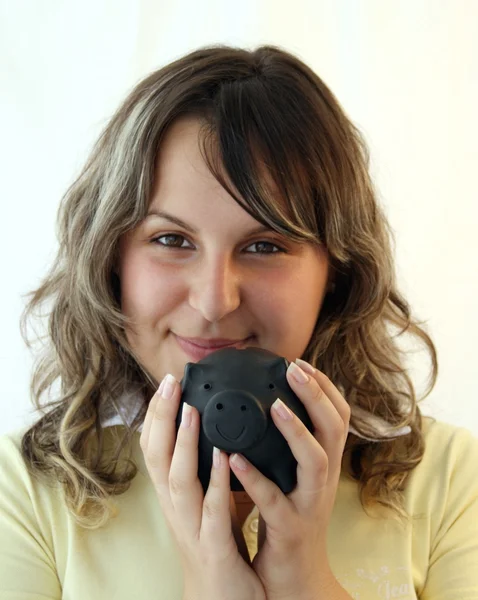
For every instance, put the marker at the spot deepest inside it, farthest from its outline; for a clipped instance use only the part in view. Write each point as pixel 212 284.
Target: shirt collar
pixel 376 429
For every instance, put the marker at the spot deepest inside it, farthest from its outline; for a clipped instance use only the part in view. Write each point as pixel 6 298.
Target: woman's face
pixel 213 277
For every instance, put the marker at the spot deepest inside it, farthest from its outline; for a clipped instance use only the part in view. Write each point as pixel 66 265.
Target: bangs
pixel 254 141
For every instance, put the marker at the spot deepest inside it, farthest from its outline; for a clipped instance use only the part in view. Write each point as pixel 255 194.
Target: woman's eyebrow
pixel 177 221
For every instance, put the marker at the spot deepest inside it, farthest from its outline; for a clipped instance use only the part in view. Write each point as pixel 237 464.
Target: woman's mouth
pixel 197 352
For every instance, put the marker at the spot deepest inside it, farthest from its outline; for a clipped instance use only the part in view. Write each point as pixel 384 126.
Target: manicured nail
pixel 239 462
pixel 186 416
pixel 161 386
pixel 298 374
pixel 282 410
pixel 305 366
pixel 168 389
pixel 216 457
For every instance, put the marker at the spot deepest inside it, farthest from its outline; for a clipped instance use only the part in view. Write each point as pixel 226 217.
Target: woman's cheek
pixel 145 288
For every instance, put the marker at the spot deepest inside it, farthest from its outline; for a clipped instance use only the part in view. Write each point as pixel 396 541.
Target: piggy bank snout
pixel 234 420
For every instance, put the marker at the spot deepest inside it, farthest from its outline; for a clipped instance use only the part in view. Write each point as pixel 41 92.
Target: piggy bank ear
pixel 193 373
pixel 277 368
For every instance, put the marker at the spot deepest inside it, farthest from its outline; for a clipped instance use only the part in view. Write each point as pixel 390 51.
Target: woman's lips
pixel 197 352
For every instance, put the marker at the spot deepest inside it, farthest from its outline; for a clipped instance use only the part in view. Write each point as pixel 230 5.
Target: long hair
pixel 262 111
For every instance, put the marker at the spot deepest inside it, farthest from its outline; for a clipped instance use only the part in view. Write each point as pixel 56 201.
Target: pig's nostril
pixel 207 386
pixel 219 406
pixel 243 408
pixel 271 386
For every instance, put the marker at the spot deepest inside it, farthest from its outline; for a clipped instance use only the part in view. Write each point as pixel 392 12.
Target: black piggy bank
pixel 233 390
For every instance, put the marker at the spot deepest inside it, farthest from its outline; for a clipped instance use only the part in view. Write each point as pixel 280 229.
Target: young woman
pixel 228 203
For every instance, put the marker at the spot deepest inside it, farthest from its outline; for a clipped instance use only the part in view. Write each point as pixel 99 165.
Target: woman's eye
pixel 173 240
pixel 169 236
pixel 265 245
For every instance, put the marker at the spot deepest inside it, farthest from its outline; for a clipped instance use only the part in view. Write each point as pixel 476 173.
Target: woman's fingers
pixel 172 460
pixel 331 391
pixel 184 486
pixel 330 418
pixel 217 522
pixel 158 438
pixel 202 524
pixel 214 524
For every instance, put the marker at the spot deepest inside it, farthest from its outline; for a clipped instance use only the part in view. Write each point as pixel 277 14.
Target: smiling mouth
pixel 226 437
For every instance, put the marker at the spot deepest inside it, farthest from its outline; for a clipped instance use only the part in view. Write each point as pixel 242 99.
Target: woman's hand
pixel 213 567
pixel 292 559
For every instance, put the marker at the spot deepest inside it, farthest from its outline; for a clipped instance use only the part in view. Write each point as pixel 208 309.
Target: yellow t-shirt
pixel 45 555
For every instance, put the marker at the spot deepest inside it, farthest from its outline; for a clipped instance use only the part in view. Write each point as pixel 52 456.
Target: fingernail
pixel 305 366
pixel 161 386
pixel 297 373
pixel 168 388
pixel 239 462
pixel 186 416
pixel 282 410
pixel 216 457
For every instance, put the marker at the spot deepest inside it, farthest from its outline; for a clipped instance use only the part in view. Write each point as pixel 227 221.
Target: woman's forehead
pixel 181 163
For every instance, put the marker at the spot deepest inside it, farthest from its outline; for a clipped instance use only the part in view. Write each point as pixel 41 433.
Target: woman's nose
pixel 215 290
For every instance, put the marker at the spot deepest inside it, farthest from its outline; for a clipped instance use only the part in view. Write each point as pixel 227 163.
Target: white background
pixel 406 73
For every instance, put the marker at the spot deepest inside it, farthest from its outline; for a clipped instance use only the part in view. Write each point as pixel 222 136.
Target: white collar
pixel 377 428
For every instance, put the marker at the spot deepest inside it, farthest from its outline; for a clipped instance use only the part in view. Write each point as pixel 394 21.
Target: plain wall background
pixel 405 72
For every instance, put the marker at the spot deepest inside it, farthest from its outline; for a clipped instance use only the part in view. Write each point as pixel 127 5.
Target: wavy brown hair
pixel 263 111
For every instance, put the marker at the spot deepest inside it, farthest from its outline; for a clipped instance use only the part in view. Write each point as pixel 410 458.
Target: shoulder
pixel 17 481
pixel 11 459
pixel 23 498
pixel 447 442
pixel 445 511
pixel 446 475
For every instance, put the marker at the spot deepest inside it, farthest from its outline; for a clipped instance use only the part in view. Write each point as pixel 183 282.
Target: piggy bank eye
pixel 207 386
pixel 272 386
